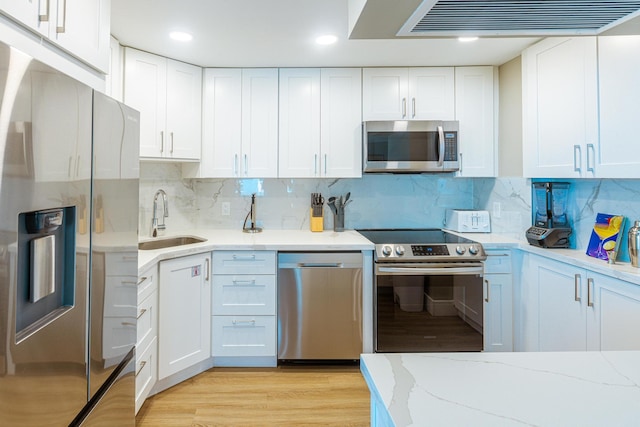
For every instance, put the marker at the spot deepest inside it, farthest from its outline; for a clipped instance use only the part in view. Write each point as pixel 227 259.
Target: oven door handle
pixel 429 271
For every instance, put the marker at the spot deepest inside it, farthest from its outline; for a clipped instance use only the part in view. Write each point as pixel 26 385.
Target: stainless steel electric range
pixel 428 291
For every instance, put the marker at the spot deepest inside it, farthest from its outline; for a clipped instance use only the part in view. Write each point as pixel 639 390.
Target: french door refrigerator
pixel 68 249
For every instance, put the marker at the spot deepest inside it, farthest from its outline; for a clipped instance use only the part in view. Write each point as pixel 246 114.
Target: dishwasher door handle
pixel 320 265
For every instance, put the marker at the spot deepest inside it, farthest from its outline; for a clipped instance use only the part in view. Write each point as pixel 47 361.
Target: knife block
pixel 316 222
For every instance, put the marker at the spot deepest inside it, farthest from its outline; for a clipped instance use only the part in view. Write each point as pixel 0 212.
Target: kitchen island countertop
pixel 504 389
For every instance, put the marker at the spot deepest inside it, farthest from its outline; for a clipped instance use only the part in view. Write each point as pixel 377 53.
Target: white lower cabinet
pixel 184 322
pixel 498 301
pixel 147 335
pixel 567 308
pixel 243 319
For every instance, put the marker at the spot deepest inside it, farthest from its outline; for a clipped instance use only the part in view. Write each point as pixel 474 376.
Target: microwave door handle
pixel 440 146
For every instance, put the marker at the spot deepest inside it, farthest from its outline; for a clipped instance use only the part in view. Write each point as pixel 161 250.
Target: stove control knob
pixel 460 250
pixel 473 250
pixel 386 250
pixel 400 250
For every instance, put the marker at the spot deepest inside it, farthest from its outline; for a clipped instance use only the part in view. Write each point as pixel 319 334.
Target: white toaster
pixel 467 221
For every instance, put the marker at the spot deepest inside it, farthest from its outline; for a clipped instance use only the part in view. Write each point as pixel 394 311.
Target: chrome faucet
pixel 165 213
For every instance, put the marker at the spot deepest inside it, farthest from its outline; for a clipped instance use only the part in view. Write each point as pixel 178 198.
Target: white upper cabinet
pixel 560 108
pixel 168 95
pixel 320 123
pixel 619 68
pixel 417 93
pixel 475 111
pixel 240 128
pixel 80 27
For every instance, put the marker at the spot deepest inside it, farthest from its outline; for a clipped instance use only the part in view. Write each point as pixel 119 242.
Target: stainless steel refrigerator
pixel 68 249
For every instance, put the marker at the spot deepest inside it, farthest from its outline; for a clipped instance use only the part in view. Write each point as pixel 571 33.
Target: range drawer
pixel 243 336
pixel 244 262
pixel 498 262
pixel 244 295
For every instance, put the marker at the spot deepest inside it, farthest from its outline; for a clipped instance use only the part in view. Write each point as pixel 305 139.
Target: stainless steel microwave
pixel 410 146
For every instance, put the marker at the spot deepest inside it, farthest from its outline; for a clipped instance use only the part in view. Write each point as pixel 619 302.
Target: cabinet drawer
pixel 145 372
pixel 120 296
pixel 147 284
pixel 244 294
pixel 498 262
pixel 244 262
pixel 118 337
pixel 243 336
pixel 121 264
pixel 147 320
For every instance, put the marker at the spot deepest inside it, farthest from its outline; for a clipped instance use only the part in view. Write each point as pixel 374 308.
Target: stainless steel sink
pixel 169 242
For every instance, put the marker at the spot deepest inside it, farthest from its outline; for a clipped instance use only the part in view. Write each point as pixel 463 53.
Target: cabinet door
pixel 498 312
pixel 145 89
pixel 31 13
pixel 82 27
pixel 259 123
pixel 562 313
pixel 222 112
pixel 431 93
pixel 560 109
pixel 618 68
pixel 184 316
pixel 384 93
pixel 341 122
pixel 475 112
pixel 183 110
pixel 299 137
pixel 614 313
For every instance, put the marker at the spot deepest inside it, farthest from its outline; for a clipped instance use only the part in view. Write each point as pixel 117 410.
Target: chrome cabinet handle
pixel 244 282
pixel 576 281
pixel 161 141
pixel 142 279
pixel 128 324
pixel 171 151
pixel 460 171
pixel 577 156
pixel 244 258
pixel 208 269
pixel 591 148
pixel 142 365
pixel 404 107
pixel 243 322
pixel 142 312
pixel 413 108
pixel 43 12
pixel 77 166
pixel 488 290
pixel 61 28
pixel 590 292
pixel 325 165
pixel 246 165
pixel 69 167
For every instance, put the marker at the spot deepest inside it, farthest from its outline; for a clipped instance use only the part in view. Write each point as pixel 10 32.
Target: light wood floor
pixel 284 396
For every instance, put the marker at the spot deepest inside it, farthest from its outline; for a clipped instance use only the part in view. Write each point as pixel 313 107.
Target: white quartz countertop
pixel 505 389
pixel 281 240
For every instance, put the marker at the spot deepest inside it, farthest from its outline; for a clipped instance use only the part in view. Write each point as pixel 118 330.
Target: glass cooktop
pixel 411 236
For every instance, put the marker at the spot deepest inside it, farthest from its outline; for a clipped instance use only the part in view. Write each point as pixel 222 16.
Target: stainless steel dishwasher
pixel 319 306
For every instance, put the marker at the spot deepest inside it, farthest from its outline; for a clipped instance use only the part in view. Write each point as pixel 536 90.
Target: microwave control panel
pixel 450 146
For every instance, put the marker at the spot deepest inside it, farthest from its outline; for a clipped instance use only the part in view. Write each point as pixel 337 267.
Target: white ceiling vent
pixel 517 17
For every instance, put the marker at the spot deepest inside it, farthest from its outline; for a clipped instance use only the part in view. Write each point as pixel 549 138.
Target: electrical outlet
pixel 497 208
pixel 226 208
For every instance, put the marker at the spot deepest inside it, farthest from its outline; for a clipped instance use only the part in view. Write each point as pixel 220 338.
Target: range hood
pixel 492 18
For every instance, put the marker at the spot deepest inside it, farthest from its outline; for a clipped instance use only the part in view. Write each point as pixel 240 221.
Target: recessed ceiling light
pixel 180 36
pixel 467 39
pixel 326 39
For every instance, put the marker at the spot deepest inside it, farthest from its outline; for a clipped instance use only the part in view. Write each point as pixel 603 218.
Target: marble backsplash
pixel 377 201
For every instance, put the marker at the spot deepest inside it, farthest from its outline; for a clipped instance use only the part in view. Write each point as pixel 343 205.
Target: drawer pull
pixel 142 279
pixel 142 312
pixel 128 324
pixel 488 290
pixel 142 365
pixel 590 292
pixel 244 258
pixel 130 258
pixel 243 322
pixel 576 285
pixel 244 282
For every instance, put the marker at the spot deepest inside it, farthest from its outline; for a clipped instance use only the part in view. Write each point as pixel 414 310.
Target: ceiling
pixel 281 33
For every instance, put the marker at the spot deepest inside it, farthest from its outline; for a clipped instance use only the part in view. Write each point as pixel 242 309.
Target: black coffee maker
pixel 550 221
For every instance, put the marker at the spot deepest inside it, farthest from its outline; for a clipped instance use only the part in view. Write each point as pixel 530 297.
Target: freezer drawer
pixel 319 306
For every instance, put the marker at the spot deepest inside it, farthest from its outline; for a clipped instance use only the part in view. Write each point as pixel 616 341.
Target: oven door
pixel 428 307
